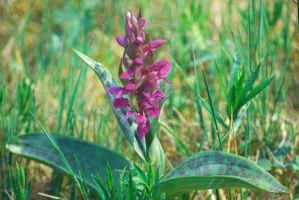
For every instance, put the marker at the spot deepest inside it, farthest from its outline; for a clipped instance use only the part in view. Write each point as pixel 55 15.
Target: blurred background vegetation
pixel 39 73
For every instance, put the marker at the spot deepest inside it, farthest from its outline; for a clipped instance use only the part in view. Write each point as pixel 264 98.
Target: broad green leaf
pixel 265 164
pixel 91 158
pixel 213 170
pixel 128 126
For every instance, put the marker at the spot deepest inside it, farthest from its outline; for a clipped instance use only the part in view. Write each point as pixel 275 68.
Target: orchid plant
pixel 135 103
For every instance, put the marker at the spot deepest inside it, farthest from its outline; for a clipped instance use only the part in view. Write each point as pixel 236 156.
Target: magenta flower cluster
pixel 140 74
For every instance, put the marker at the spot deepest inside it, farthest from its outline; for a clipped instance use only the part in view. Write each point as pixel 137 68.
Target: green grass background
pixel 39 73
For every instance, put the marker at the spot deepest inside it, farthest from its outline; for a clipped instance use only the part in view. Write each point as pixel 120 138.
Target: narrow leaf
pixel 249 83
pixel 236 66
pixel 264 83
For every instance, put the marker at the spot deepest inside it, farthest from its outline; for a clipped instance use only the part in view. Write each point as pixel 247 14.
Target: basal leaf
pixel 128 126
pixel 91 158
pixel 213 170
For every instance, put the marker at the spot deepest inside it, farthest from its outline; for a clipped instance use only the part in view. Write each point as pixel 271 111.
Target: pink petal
pixel 147 95
pixel 148 84
pixel 156 43
pixel 153 112
pixel 143 129
pixel 130 87
pixel 159 64
pixel 153 45
pixel 120 40
pixel 127 75
pixel 118 91
pixel 155 97
pixel 142 23
pixel 144 104
pixel 158 95
pixel 129 114
pixel 162 67
pixel 138 61
pixel 129 15
pixel 163 72
pixel 140 118
pixel 121 102
pixel 151 79
pixel 139 40
pixel 147 69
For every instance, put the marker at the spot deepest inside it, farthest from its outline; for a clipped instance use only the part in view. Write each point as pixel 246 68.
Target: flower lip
pixel 139 40
pixel 121 102
pixel 130 87
pixel 140 118
pixel 138 61
pixel 118 91
pixel 153 45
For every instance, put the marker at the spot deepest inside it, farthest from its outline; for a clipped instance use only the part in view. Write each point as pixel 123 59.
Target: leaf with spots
pixel 90 158
pixel 213 170
pixel 128 126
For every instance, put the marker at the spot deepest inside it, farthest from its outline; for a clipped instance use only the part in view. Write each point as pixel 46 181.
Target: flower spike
pixel 140 74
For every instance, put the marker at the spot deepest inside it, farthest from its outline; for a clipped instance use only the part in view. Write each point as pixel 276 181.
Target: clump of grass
pixel 18 186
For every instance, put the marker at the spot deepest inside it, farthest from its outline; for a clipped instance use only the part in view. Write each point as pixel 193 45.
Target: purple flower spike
pixel 140 74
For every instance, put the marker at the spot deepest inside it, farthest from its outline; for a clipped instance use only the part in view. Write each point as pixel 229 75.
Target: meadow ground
pixel 41 76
